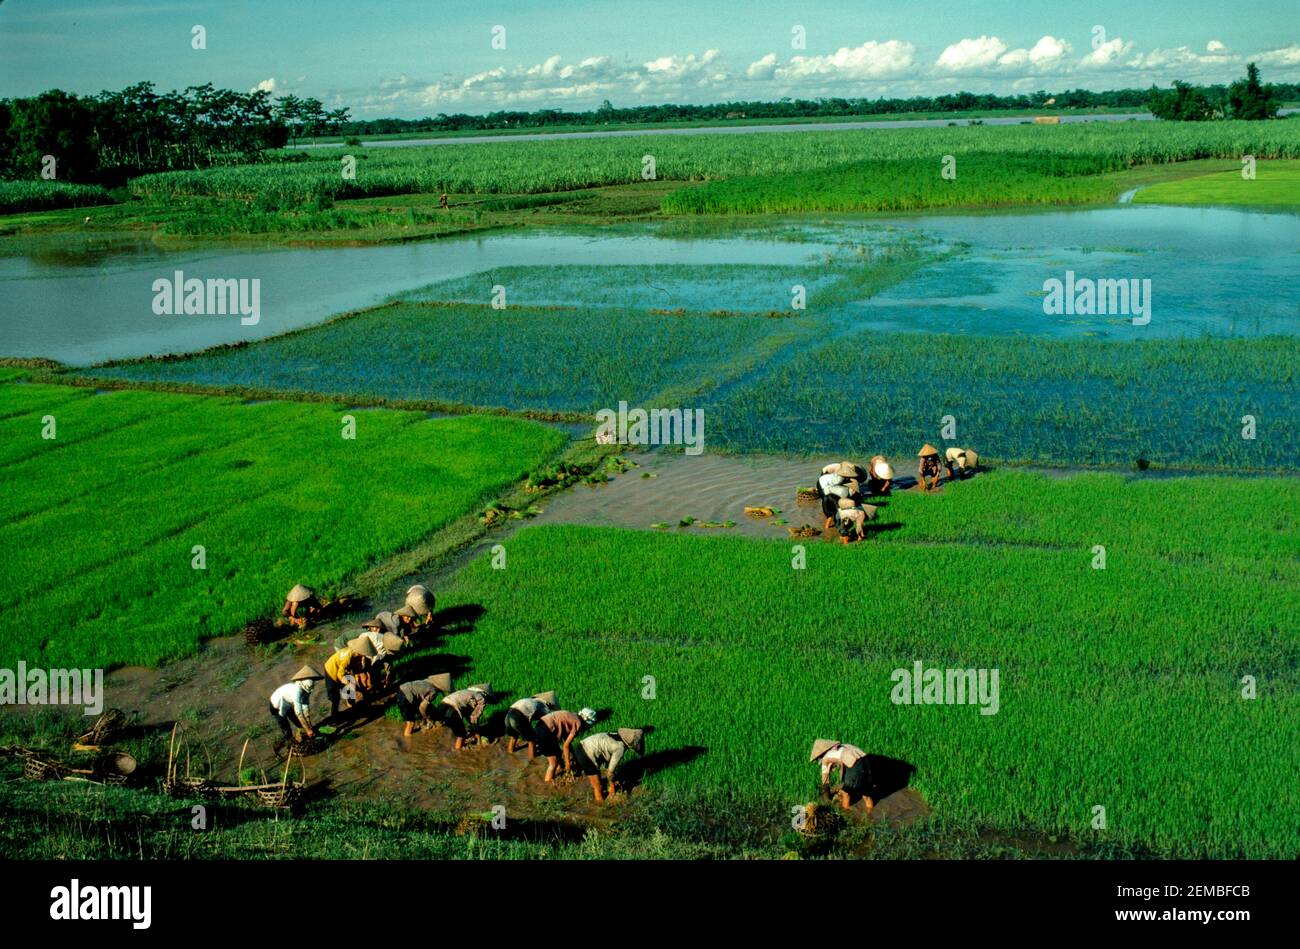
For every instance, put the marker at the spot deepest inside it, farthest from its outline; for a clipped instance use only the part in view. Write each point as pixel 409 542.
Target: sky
pixel 411 58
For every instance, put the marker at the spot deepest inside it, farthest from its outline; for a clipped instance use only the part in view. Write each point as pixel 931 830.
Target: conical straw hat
pixel 882 470
pixel 375 623
pixel 846 503
pixel 362 646
pixel 634 738
pixel 972 459
pixel 870 510
pixel 420 600
pixel 299 593
pixel 482 687
pixel 820 747
pixel 550 698
pixel 848 469
pixel 392 643
pixel 406 611
pixel 306 672
pixel 927 449
pixel 441 681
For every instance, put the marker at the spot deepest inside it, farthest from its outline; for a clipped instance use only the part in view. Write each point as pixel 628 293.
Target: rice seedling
pixel 1176 402
pixel 1118 687
pixel 102 521
pixel 520 357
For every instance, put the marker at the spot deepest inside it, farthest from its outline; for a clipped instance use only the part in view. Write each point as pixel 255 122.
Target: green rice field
pixel 96 543
pixel 1118 687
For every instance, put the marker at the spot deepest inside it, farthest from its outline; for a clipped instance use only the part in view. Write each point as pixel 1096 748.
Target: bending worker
pixel 880 477
pixel 421 602
pixel 928 472
pixel 414 699
pixel 554 734
pixel 852 519
pixel 520 718
pixel 460 711
pixel 964 460
pixel 301 605
pixel 347 673
pixel 290 704
pixel 855 770
pixel 605 750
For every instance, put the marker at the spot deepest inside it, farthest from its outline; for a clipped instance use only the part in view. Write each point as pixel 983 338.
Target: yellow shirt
pixel 340 663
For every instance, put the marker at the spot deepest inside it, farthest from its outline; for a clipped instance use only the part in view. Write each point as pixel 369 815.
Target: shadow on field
pixel 639 768
pixel 455 620
pixel 887 776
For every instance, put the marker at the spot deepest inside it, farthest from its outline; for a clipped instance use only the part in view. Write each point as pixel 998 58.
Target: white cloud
pixel 871 60
pixel 1046 53
pixel 1107 54
pixel 764 68
pixel 1214 46
pixel 970 54
pixel 267 85
pixel 1287 57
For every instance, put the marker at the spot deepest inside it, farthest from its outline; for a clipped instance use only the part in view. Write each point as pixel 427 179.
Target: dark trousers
pixel 518 726
pixel 286 725
pixel 452 719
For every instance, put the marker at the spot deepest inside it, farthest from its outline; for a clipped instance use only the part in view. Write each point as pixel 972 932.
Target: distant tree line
pixel 607 114
pixel 109 137
pixel 1247 99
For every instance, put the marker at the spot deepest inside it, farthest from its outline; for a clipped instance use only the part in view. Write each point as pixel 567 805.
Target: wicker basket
pixel 38 769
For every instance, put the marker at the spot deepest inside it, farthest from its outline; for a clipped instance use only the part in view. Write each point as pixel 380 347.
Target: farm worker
pixel 300 605
pixel 421 602
pixel 606 750
pixel 835 497
pixel 385 622
pixel 346 672
pixel 409 621
pixel 852 517
pixel 415 697
pixel 881 476
pixel 855 770
pixel 290 703
pixel 520 717
pixel 386 647
pixel 554 734
pixel 964 460
pixel 460 711
pixel 928 473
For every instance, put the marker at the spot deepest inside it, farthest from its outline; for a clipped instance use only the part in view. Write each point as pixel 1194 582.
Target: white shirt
pixel 532 708
pixel 377 640
pixel 290 696
pixel 846 755
pixel 828 481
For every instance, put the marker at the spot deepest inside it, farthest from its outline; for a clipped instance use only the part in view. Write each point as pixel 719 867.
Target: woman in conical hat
pixel 855 770
pixel 605 750
pixel 964 460
pixel 300 605
pixel 421 602
pixel 291 704
pixel 929 471
pixel 522 715
pixel 851 520
pixel 880 476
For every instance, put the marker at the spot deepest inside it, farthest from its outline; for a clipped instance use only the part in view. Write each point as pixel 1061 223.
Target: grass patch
pixel 100 522
pixel 1277 184
pixel 1118 686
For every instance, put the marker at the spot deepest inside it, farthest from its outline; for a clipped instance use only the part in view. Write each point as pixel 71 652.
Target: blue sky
pixel 419 57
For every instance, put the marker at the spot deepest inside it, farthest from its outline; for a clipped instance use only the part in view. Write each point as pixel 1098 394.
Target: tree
pixel 1248 99
pixel 1184 103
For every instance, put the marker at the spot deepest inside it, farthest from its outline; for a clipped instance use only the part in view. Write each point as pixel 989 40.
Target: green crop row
pixel 96 543
pixel 976 180
pixel 1118 687
pixel 17 196
pixel 516 167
